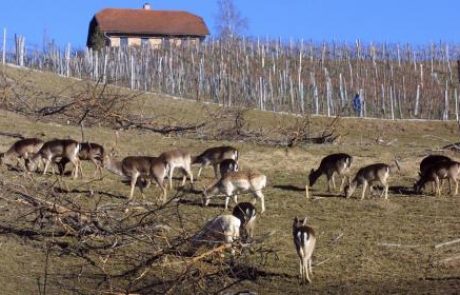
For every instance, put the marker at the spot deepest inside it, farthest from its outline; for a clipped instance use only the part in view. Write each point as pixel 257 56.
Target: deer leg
pixel 456 186
pixel 301 269
pixel 364 190
pixel 333 182
pixel 438 190
pixel 305 265
pixel 216 170
pixel 47 164
pixel 133 185
pixel 342 182
pixel 76 164
pixel 199 172
pixel 170 175
pixel 260 195
pixel 309 266
pixel 227 198
pixel 235 198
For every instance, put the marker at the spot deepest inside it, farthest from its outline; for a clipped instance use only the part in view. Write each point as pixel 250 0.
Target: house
pixel 136 27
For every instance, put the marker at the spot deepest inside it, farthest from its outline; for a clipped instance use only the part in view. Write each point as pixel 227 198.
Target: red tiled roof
pixel 151 22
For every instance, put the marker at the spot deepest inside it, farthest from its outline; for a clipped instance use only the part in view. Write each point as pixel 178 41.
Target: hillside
pixel 368 246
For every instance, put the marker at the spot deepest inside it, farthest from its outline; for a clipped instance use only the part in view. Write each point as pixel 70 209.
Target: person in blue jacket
pixel 358 105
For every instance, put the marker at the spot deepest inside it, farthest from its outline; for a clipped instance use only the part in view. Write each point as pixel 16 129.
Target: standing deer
pixel 57 148
pixel 178 159
pixel 89 151
pixel 22 149
pixel 437 172
pixel 366 176
pixel 330 165
pixel 234 182
pixel 304 241
pixel 213 156
pixel 134 167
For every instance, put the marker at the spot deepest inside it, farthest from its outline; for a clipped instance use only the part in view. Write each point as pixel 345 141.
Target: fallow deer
pixel 437 172
pixel 429 161
pixel 247 213
pixel 178 159
pixel 221 229
pixel 53 149
pixel 22 149
pixel 135 167
pixel 228 165
pixel 330 165
pixel 89 151
pixel 234 182
pixel 304 241
pixel 213 156
pixel 366 176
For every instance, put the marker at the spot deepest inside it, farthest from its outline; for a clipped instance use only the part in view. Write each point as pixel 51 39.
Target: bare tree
pixel 229 21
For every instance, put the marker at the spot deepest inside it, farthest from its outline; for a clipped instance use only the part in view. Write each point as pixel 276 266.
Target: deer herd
pixel 31 153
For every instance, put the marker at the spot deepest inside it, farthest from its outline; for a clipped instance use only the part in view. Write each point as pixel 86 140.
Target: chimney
pixel 147 6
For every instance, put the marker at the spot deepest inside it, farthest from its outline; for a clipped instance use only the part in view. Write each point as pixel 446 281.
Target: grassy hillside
pixel 369 246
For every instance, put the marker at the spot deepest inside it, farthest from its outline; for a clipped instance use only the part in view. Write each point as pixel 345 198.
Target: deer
pixel 53 149
pixel 214 156
pixel 234 182
pixel 134 167
pixel 89 151
pixel 304 241
pixel 178 158
pixel 367 175
pixel 437 172
pixel 246 212
pixel 22 149
pixel 330 165
pixel 221 229
pixel 429 161
pixel 228 165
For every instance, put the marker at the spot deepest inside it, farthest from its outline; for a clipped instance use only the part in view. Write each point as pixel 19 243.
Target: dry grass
pixel 383 246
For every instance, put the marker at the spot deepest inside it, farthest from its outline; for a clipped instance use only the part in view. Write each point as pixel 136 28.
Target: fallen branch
pixel 397 245
pixel 437 246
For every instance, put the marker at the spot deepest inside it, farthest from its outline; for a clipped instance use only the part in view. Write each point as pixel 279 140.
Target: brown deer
pixel 53 149
pixel 304 241
pixel 330 165
pixel 135 167
pixel 437 172
pixel 234 182
pixel 178 159
pixel 213 156
pixel 89 151
pixel 22 149
pixel 366 176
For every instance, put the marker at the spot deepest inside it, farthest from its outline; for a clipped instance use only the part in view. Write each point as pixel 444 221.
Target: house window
pixel 145 42
pixel 123 42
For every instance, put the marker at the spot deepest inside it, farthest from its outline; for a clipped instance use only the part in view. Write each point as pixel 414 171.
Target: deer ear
pixel 296 220
pixel 304 222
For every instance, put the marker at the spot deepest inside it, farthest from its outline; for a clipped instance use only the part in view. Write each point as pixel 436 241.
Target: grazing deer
pixel 178 159
pixel 305 241
pixel 246 212
pixel 429 161
pixel 22 149
pixel 222 229
pixel 134 167
pixel 228 165
pixel 57 148
pixel 89 151
pixel 366 176
pixel 214 156
pixel 241 181
pixel 330 165
pixel 437 172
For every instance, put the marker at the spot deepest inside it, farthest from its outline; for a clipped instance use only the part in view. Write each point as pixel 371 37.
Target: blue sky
pixel 406 21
